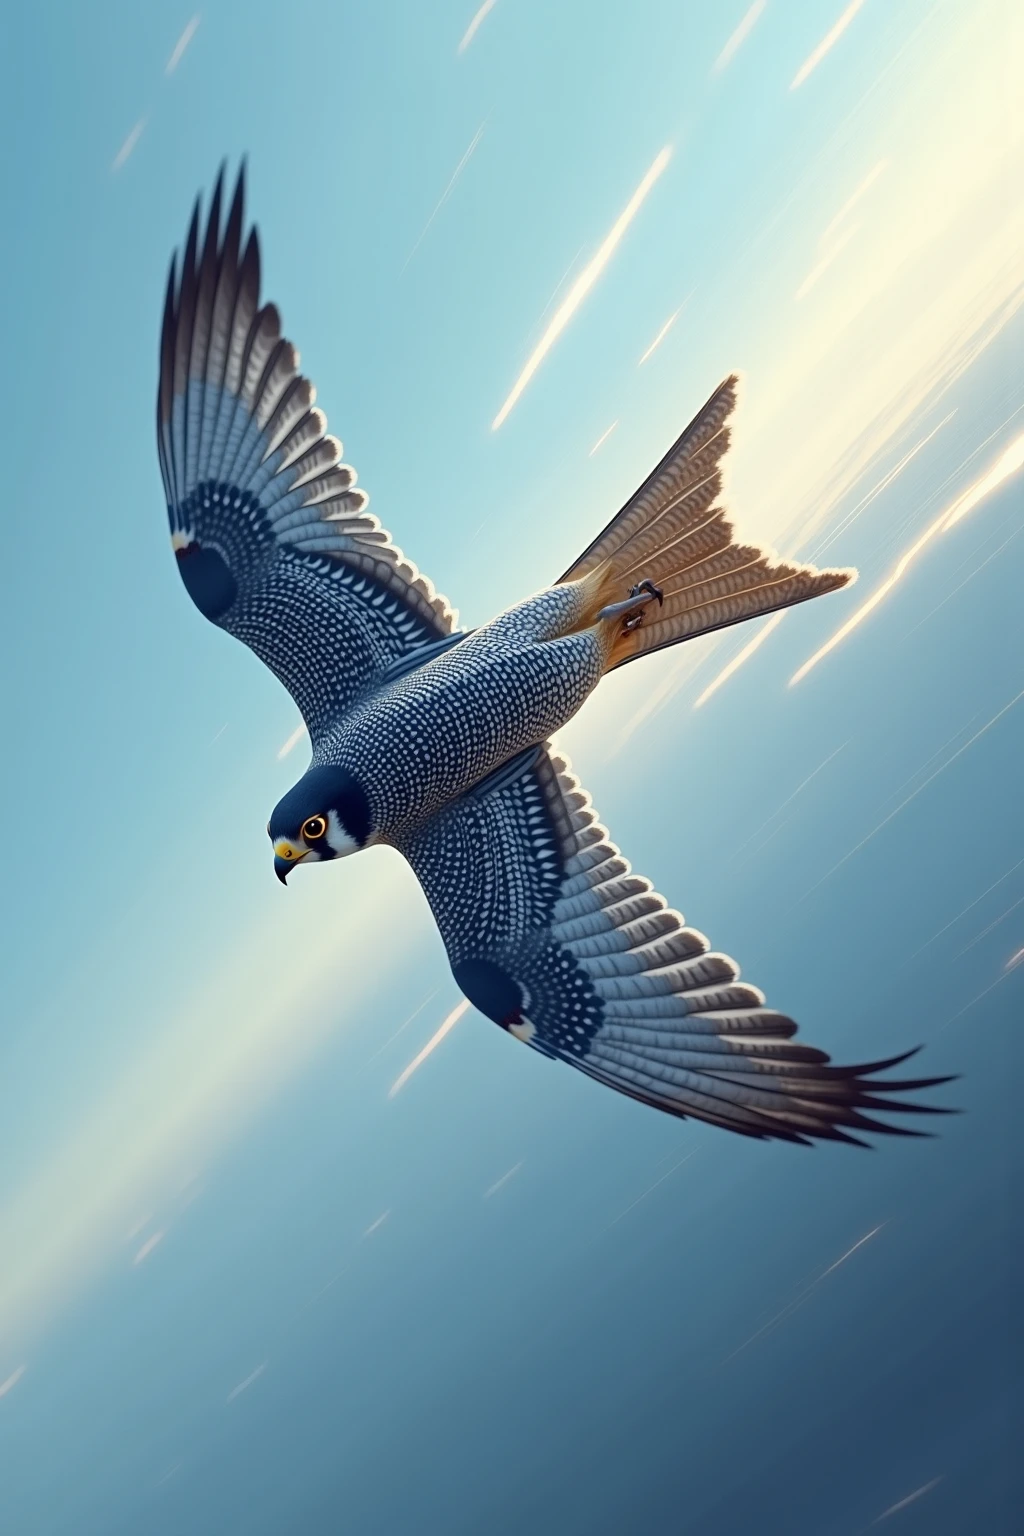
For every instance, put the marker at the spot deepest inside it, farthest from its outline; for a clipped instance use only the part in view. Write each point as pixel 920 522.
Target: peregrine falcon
pixel 437 740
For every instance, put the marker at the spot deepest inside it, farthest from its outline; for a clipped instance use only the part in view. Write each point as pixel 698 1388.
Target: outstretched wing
pixel 273 540
pixel 550 935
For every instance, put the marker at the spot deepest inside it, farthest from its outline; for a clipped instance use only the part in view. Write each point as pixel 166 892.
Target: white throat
pixel 337 838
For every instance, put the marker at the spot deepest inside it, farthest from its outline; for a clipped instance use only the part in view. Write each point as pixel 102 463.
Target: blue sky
pixel 195 1065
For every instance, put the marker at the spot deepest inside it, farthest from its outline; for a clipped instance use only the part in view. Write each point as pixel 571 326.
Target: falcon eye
pixel 314 828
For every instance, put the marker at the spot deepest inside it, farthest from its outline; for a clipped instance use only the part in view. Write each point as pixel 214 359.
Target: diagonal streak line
pixel 904 803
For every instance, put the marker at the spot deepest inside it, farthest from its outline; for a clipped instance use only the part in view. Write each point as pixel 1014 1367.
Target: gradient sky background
pixel 245 1287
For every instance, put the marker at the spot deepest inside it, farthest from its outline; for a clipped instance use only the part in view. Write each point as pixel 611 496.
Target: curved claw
pixel 648 586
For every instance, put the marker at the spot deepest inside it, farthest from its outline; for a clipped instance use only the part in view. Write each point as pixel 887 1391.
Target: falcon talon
pixel 437 742
pixel 648 586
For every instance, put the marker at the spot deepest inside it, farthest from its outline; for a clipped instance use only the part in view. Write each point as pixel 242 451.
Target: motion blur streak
pixel 911 1498
pixel 12 1381
pixel 738 660
pixel 181 46
pixel 431 1046
pixel 292 742
pixel 798 1301
pixel 949 761
pixel 821 267
pixel 605 435
pixel 656 343
pixel 445 195
pixel 877 489
pixel 852 201
pixel 740 36
pixel 1009 461
pixel 583 284
pixel 471 30
pixel 826 45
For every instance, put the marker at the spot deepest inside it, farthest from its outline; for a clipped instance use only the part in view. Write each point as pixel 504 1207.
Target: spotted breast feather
pixel 271 534
pixel 551 935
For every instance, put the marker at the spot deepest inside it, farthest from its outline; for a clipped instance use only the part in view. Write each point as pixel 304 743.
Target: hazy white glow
pixel 445 195
pixel 471 30
pixel 605 435
pixel 826 45
pixel 656 343
pixel 431 1046
pixel 129 144
pixel 1009 461
pixel 292 742
pixel 242 1385
pixel 583 284
pixel 1014 960
pixel 381 1219
pixel 180 46
pixel 741 656
pixel 740 36
pixel 12 1380
pixel 147 1247
pixel 500 1183
pixel 821 267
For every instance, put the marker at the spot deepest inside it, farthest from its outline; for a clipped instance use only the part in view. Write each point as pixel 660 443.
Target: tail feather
pixel 672 533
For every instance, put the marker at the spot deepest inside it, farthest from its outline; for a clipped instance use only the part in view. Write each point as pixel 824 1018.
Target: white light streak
pixel 12 1380
pixel 798 1301
pixel 740 658
pixel 852 201
pixel 292 742
pixel 129 145
pixel 376 1225
pixel 821 267
pixel 880 486
pixel 474 26
pixel 1009 461
pixel 669 323
pixel 500 1183
pixel 949 761
pixel 446 194
pixel 147 1247
pixel 431 1046
pixel 605 435
pixel 244 1385
pixel 181 45
pixel 911 1498
pixel 649 1190
pixel 826 45
pixel 739 37
pixel 584 283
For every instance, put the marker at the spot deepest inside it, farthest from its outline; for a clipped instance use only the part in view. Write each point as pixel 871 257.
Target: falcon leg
pixel 631 608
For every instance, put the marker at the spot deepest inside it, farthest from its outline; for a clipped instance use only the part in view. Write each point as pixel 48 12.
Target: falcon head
pixel 324 816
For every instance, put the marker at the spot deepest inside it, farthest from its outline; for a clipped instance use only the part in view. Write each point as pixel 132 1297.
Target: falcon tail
pixel 673 536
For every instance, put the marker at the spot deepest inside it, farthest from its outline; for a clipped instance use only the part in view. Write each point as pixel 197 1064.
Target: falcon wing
pixel 550 935
pixel 272 538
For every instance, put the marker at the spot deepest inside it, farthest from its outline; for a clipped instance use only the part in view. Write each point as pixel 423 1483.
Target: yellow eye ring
pixel 314 828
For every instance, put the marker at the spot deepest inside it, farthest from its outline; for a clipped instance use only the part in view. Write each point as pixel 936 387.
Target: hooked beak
pixel 286 856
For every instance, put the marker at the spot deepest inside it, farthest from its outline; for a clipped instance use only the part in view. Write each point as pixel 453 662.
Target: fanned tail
pixel 673 535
